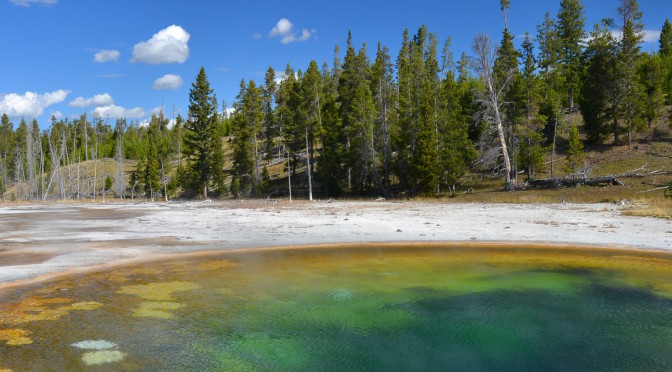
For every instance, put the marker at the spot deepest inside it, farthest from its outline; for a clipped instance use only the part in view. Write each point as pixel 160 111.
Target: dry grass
pixel 658 207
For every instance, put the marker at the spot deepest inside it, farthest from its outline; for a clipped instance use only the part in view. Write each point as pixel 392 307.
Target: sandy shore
pixel 38 242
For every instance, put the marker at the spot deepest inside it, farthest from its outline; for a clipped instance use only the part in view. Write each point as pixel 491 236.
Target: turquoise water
pixel 352 308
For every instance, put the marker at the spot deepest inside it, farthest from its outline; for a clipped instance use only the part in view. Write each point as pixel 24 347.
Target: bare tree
pixel 120 179
pixel 483 63
pixel 30 161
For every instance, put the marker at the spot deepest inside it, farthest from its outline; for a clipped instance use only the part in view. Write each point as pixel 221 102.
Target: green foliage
pixel 264 182
pixel 651 75
pixel 202 140
pixel 599 85
pixel 575 154
pixel 665 46
pixel 571 34
pixel 632 98
pixel 108 182
pixel 150 173
pixel 247 123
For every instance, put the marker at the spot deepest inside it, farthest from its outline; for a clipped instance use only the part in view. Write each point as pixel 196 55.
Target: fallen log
pixel 554 183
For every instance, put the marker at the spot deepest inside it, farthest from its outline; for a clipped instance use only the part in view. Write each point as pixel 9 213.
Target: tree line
pixel 369 124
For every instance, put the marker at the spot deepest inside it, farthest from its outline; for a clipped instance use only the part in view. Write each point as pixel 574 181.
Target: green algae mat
pixel 369 307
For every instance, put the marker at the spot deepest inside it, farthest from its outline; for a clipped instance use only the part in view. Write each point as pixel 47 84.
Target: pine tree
pixel 269 121
pixel 202 141
pixel 530 149
pixel 333 141
pixel 150 173
pixel 651 78
pixel 311 90
pixel 665 46
pixel 599 84
pixel 456 150
pixel 575 154
pixel 571 23
pixel 425 164
pixel 632 101
pixel 383 88
pixel 246 120
pixel 548 39
pixel 6 153
pixel 665 53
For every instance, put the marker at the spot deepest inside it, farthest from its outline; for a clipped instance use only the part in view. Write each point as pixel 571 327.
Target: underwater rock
pixel 102 357
pixel 94 345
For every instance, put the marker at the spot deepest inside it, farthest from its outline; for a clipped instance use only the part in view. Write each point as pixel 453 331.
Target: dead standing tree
pixel 483 63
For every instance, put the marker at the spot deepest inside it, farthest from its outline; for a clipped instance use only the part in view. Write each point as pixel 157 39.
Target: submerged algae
pixel 15 337
pixel 158 291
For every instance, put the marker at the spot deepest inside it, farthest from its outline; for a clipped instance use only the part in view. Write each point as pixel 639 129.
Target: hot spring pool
pixel 351 308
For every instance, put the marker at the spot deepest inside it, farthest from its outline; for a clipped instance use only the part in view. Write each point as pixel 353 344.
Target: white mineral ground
pixel 39 242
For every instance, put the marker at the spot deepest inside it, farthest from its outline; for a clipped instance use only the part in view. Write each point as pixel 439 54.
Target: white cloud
pixel 166 46
pixel 27 3
pixel 257 36
pixel 651 35
pixel 284 28
pixel 57 114
pixel 106 56
pixel 168 82
pixel 647 35
pixel 114 111
pixel 30 104
pixel 97 100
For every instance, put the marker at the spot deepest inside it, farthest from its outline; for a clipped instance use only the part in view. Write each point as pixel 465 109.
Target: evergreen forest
pixel 368 123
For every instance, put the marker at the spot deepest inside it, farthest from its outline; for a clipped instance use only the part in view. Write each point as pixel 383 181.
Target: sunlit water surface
pixel 352 308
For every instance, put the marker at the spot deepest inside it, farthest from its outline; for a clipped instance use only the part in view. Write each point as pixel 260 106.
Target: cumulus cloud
pixel 106 56
pixel 30 104
pixel 57 114
pixel 284 30
pixel 114 111
pixel 166 46
pixel 97 100
pixel 168 82
pixel 27 3
pixel 283 27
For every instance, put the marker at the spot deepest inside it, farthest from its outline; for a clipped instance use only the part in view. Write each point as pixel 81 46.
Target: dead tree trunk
pixel 483 64
pixel 553 183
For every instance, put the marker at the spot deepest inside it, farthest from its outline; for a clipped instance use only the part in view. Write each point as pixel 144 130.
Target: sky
pixel 129 58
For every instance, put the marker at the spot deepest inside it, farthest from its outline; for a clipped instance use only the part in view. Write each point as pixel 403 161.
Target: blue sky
pixel 127 57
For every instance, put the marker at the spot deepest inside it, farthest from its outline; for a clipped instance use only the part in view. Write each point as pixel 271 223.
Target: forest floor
pixel 41 241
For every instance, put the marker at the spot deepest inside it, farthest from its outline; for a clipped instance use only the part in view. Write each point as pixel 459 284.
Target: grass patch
pixel 659 208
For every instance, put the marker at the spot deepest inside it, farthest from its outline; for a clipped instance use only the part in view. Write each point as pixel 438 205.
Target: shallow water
pixel 352 308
